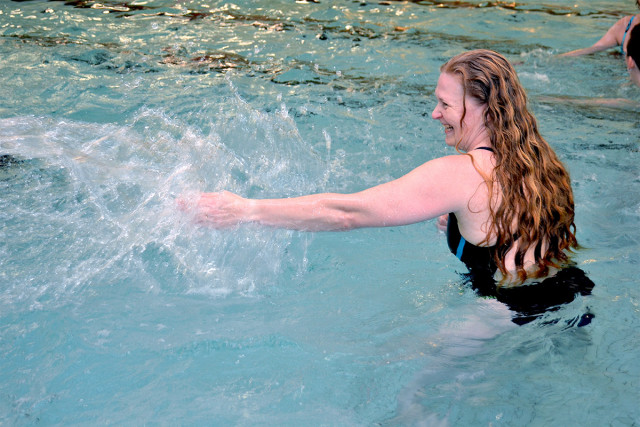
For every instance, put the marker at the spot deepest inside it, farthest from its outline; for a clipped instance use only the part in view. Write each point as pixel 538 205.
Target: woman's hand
pixel 443 221
pixel 219 210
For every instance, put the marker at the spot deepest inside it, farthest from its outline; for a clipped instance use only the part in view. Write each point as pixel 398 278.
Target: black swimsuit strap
pixel 484 148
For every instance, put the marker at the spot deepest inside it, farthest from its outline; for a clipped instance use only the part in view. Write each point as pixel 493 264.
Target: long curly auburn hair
pixel 535 201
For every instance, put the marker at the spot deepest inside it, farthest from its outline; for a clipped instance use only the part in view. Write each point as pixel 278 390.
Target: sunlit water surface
pixel 116 309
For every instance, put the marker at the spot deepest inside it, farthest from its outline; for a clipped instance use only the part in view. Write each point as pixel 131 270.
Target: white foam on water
pixel 107 193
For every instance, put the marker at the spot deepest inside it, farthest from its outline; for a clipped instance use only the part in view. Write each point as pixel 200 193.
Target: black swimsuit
pixel 478 259
pixel 527 301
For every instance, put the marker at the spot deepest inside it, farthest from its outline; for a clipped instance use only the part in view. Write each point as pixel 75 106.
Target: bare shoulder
pixel 457 163
pixel 620 26
pixel 613 36
pixel 458 173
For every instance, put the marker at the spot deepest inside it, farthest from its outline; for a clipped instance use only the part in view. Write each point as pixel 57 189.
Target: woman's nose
pixel 435 114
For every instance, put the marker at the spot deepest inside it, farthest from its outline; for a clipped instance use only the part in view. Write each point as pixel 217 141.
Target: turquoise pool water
pixel 116 310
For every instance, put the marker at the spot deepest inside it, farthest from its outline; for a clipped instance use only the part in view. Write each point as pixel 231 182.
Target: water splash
pixel 94 204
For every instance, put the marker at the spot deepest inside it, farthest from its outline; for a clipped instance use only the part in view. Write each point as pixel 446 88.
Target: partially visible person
pixel 617 35
pixel 632 59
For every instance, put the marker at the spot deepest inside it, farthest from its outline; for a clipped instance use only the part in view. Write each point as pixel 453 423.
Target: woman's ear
pixel 634 72
pixel 631 64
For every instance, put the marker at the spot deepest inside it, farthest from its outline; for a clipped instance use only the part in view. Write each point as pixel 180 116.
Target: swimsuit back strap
pixel 460 249
pixel 625 35
pixel 484 148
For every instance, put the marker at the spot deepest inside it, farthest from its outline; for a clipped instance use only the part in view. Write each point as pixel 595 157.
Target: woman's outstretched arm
pixel 612 38
pixel 435 188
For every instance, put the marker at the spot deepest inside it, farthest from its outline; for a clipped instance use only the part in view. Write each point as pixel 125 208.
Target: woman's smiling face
pixel 450 109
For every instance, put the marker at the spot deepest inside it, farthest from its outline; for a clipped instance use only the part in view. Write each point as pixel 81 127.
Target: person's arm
pixel 612 38
pixel 437 187
pixel 617 103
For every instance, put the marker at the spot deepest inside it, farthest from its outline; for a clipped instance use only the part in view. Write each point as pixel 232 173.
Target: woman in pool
pixel 617 35
pixel 505 198
pixel 632 59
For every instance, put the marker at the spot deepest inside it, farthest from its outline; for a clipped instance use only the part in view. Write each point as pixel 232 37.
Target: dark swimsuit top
pixel 527 301
pixel 478 259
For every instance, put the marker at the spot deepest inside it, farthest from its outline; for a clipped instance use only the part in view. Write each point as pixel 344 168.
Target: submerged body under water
pixel 116 309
